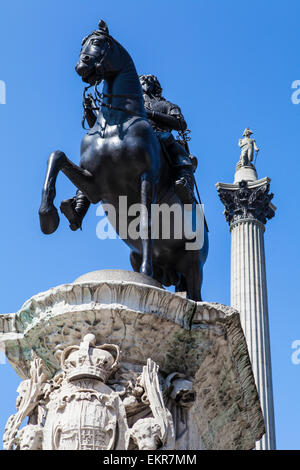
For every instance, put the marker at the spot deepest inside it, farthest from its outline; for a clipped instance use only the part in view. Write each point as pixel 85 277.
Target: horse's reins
pixel 98 101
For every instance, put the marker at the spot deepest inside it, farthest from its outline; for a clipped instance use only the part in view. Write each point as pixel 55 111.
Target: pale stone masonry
pixel 247 207
pixel 112 361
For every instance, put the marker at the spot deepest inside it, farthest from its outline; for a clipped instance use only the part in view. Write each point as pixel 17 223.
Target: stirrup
pixel 68 209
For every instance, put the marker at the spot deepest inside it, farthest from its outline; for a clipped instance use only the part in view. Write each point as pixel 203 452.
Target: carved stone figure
pixel 30 392
pixel 30 437
pixel 247 146
pixel 158 430
pixel 122 156
pixel 146 434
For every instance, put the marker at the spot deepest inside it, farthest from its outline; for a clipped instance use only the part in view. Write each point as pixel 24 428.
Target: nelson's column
pixel 247 208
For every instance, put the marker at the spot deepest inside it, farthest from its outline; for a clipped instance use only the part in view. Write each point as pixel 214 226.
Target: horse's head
pixel 99 57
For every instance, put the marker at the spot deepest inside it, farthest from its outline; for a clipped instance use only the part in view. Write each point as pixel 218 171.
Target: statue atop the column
pixel 129 151
pixel 248 146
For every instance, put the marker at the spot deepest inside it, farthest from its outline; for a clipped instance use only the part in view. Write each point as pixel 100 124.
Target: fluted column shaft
pixel 247 208
pixel 249 296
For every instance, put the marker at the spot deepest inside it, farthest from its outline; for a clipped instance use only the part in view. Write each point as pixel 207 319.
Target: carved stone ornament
pixel 84 413
pixel 87 406
pixel 247 203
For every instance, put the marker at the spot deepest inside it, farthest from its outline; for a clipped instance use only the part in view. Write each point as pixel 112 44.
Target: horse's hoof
pixel 49 220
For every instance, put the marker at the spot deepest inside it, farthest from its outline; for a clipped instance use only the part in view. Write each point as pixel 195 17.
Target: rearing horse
pixel 121 155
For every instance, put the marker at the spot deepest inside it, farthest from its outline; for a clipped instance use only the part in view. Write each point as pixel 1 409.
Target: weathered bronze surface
pixel 122 155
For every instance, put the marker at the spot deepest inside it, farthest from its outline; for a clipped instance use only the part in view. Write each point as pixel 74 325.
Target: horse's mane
pixel 99 34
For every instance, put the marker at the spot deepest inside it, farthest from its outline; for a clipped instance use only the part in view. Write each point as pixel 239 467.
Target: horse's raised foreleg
pixel 147 197
pixel 83 180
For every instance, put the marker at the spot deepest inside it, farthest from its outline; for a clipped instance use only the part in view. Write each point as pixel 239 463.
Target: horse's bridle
pixel 98 97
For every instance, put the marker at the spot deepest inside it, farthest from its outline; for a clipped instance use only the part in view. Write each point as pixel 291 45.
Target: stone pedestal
pixel 245 173
pixel 247 208
pixel 113 361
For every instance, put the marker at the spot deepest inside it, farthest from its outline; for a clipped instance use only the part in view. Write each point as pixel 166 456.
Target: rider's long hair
pixel 157 92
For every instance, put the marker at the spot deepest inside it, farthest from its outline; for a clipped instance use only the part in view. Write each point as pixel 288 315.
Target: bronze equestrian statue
pixel 163 117
pixel 129 150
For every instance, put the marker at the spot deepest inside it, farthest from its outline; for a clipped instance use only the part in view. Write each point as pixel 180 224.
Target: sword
pixel 182 134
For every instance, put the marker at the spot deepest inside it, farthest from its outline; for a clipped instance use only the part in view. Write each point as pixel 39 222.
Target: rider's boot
pixel 184 184
pixel 75 209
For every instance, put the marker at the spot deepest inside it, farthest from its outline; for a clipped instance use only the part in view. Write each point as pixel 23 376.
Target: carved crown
pixel 90 361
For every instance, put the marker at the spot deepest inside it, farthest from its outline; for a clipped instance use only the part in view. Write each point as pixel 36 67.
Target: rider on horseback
pixel 163 117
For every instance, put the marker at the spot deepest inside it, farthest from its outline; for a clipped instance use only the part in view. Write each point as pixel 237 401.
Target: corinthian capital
pixel 242 201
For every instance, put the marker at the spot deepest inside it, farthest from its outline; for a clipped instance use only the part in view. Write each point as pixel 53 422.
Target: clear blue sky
pixel 228 65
